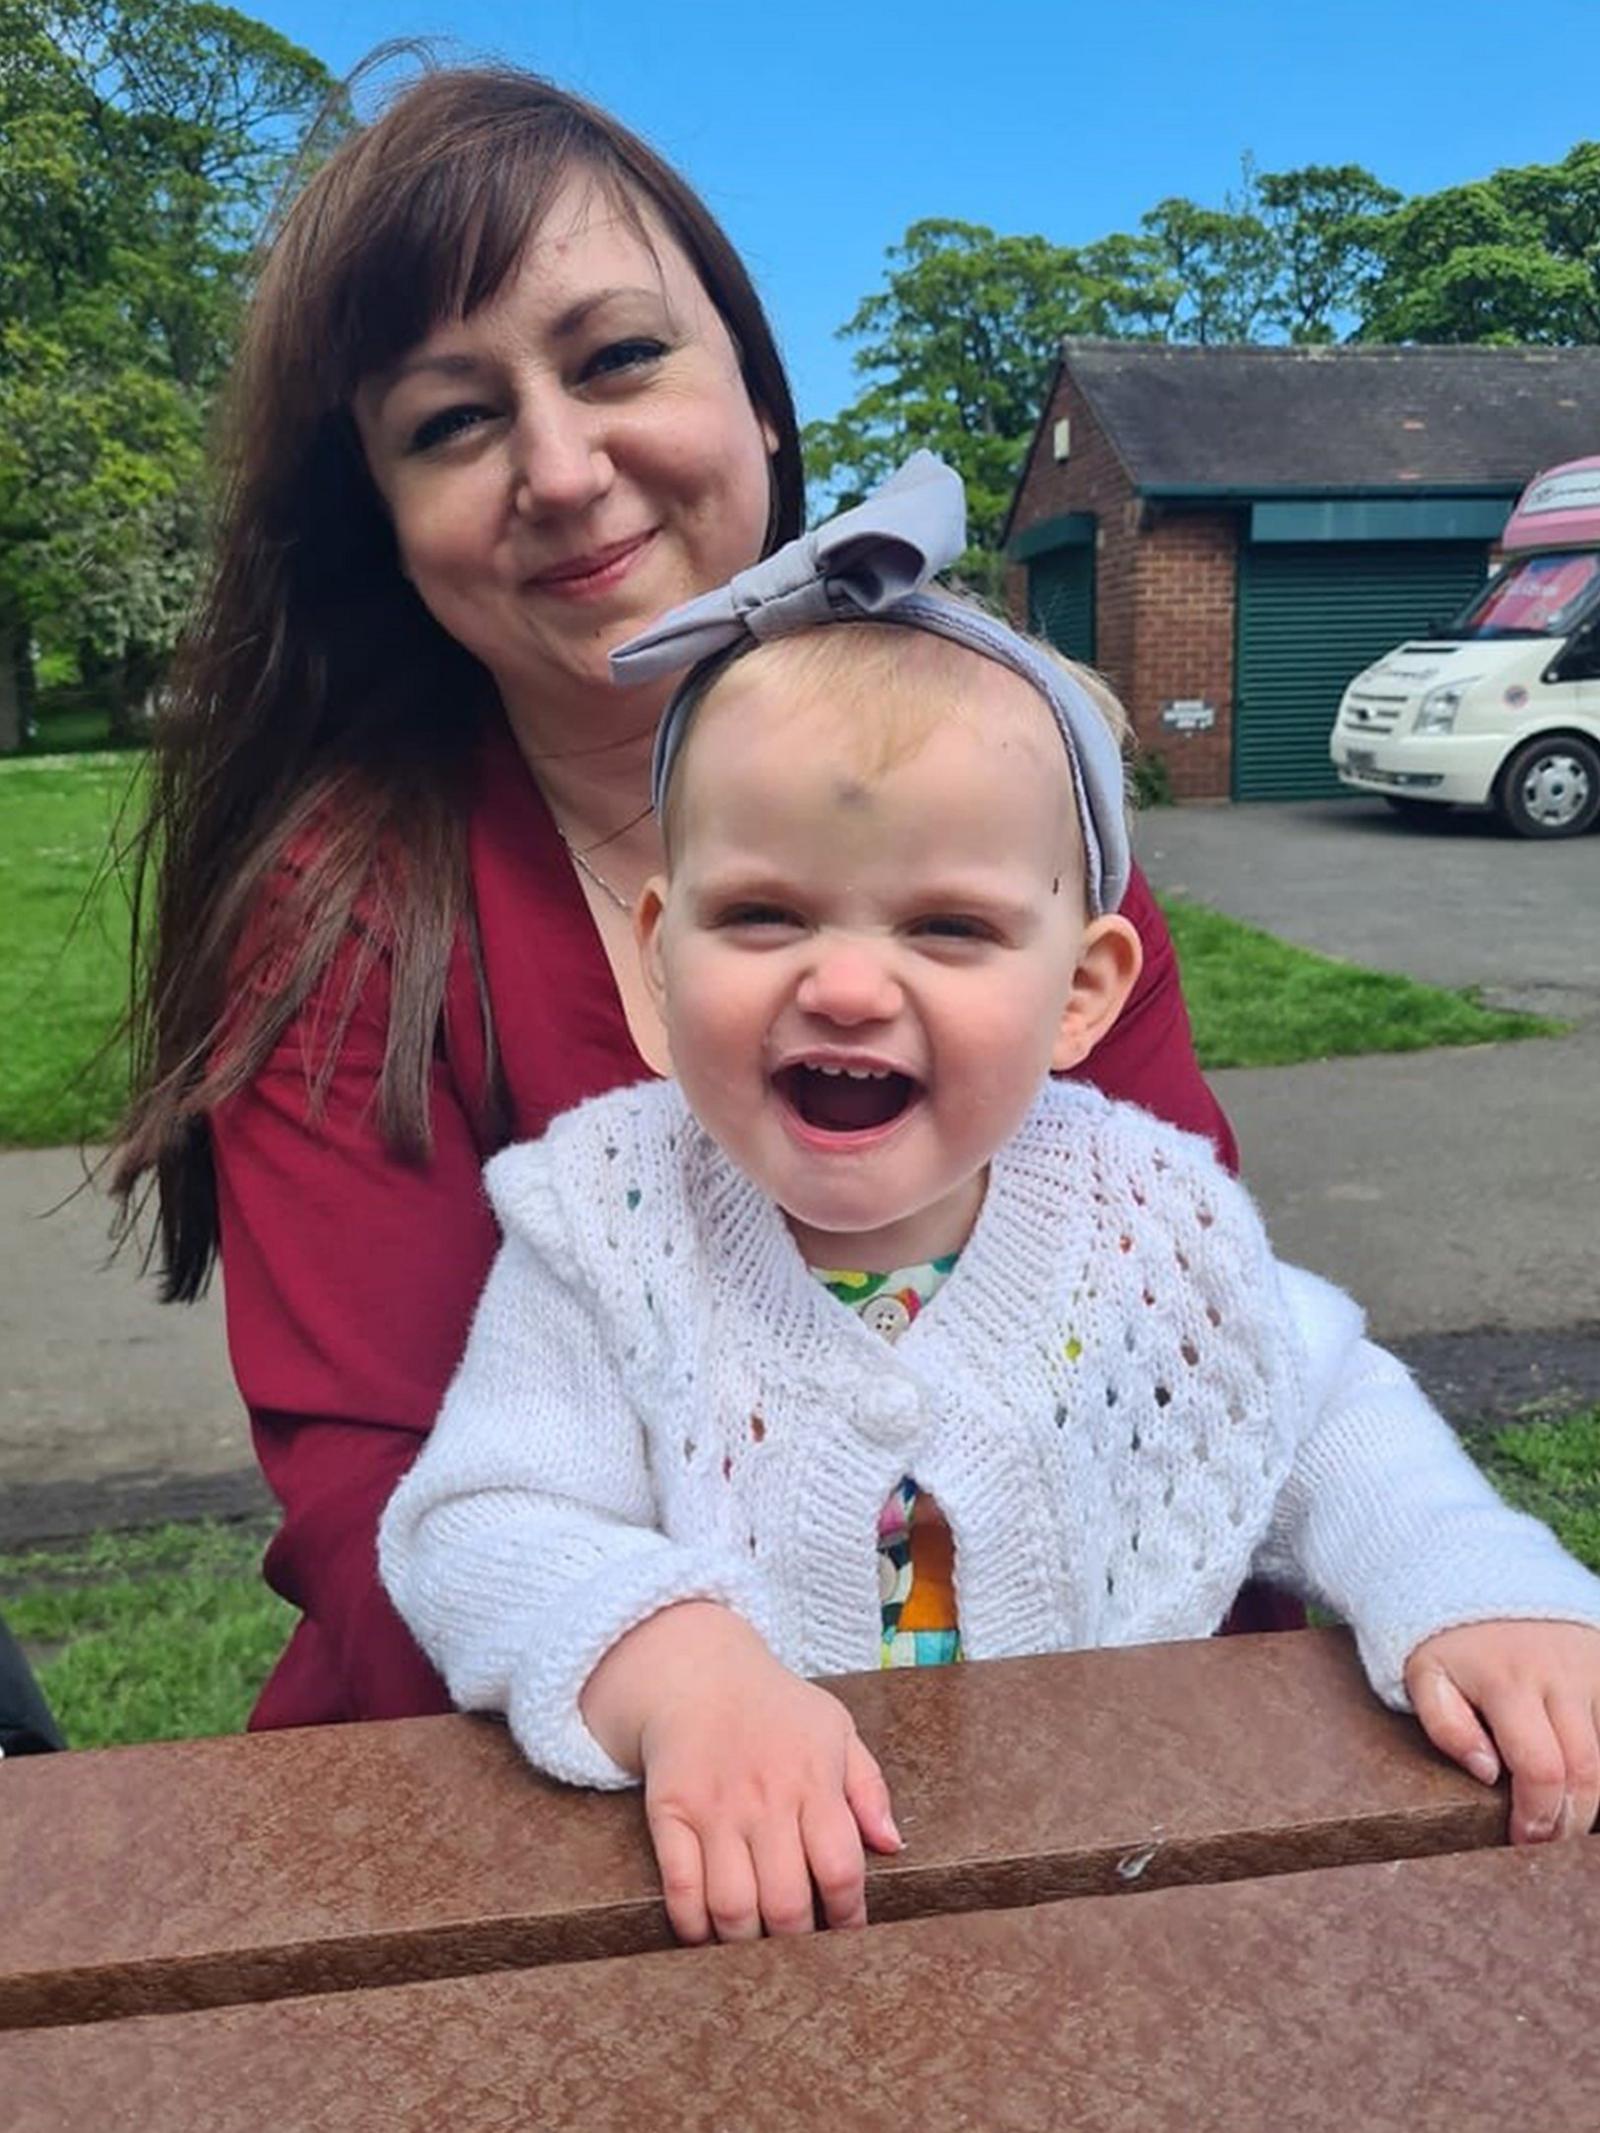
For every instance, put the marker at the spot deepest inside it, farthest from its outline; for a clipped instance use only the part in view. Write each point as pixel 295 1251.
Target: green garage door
pixel 1061 600
pixel 1311 617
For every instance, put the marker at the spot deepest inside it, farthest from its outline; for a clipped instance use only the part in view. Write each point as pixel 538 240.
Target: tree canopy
pixel 142 143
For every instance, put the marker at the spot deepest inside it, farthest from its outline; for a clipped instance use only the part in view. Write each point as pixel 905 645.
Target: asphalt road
pixel 1456 904
pixel 1447 1189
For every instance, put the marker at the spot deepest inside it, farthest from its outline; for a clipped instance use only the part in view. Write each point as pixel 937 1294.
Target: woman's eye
pixel 618 357
pixel 446 423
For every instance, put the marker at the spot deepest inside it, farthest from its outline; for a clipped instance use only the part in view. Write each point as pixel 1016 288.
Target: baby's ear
pixel 1110 957
pixel 647 916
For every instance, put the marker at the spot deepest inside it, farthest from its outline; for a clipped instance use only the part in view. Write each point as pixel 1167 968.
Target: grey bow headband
pixel 870 563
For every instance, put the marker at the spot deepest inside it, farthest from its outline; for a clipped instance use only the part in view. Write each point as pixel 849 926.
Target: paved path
pixel 1448 1189
pixel 1453 1191
pixel 99 1386
pixel 1458 904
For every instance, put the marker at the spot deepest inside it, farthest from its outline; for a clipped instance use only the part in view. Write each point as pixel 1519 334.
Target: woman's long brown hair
pixel 310 768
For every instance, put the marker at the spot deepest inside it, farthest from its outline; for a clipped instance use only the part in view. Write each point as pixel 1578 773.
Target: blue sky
pixel 820 131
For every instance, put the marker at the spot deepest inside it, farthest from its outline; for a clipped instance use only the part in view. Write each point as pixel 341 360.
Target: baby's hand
pixel 1537 1688
pixel 756 1783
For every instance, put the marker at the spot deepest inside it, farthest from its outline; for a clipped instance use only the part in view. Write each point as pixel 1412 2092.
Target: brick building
pixel 1230 534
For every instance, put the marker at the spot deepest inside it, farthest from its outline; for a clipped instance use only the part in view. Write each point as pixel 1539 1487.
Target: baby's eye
pixel 953 926
pixel 770 916
pixel 619 357
pixel 446 423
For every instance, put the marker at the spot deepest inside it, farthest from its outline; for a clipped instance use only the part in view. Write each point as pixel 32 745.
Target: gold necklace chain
pixel 580 854
pixel 580 860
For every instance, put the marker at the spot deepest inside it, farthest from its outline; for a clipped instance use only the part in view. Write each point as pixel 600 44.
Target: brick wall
pixel 1164 596
pixel 1185 590
pixel 1092 479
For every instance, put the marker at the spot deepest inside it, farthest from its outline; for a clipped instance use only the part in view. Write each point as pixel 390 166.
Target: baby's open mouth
pixel 837 1099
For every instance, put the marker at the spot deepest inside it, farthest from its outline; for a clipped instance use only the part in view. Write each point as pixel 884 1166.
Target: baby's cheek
pixel 1005 1054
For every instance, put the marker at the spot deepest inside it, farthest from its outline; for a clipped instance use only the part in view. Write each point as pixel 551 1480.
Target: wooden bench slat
pixel 196 1874
pixel 1443 1995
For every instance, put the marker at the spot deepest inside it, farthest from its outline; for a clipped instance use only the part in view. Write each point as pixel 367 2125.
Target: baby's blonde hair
pixel 860 670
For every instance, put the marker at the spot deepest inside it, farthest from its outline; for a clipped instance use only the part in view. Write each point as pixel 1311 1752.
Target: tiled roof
pixel 1338 418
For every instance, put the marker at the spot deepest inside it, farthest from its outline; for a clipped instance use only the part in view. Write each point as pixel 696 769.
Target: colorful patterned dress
pixel 916 1555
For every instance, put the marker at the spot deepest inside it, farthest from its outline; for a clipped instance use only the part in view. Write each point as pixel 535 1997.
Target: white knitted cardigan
pixel 1122 1402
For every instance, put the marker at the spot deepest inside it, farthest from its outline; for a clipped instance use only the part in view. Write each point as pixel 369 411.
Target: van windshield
pixel 1534 596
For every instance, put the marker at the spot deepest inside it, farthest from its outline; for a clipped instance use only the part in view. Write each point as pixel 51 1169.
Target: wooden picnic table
pixel 1281 1909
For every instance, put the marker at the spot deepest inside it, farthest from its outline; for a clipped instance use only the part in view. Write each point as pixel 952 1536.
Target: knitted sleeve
pixel 523 1544
pixel 1386 1520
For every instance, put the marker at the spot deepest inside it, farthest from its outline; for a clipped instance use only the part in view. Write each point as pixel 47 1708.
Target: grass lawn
pixel 1254 1000
pixel 165 1634
pixel 63 973
pixel 169 1633
pixel 1553 1470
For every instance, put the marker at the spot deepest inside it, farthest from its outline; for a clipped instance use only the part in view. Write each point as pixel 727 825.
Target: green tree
pixel 141 145
pixel 1514 257
pixel 1217 266
pixel 957 350
pixel 1323 224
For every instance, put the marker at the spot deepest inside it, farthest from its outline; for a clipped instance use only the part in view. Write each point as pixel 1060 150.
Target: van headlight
pixel 1437 711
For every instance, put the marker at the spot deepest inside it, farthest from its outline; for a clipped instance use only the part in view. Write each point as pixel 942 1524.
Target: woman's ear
pixel 1110 957
pixel 648 913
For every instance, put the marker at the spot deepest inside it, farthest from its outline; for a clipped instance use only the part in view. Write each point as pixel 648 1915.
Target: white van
pixel 1503 707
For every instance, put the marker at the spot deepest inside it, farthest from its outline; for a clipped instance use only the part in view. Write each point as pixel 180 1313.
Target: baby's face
pixel 867 958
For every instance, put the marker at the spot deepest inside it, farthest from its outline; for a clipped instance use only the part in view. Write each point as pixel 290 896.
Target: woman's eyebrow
pixel 442 363
pixel 577 314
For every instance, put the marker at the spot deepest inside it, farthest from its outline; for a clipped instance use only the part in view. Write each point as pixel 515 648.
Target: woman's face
pixel 574 458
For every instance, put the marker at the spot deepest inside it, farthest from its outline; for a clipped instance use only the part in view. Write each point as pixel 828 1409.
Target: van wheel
pixel 1423 812
pixel 1551 787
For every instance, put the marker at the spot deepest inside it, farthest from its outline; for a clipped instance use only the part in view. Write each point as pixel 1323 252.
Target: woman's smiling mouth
pixel 595 573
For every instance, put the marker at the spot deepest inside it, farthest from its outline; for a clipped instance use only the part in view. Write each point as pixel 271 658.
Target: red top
pixel 351 1276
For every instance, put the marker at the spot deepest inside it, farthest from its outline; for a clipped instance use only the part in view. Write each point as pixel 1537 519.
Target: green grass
pixel 161 1635
pixel 1255 1001
pixel 1553 1470
pixel 168 1634
pixel 63 975
pixel 71 730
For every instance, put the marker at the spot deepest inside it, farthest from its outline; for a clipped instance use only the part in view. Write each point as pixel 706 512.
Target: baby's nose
pixel 849 982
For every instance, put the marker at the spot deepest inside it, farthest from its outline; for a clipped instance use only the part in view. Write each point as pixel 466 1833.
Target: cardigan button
pixel 890 1412
pixel 885 1314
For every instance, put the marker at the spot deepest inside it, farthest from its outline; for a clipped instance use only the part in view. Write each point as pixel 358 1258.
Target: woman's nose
pixel 849 983
pixel 559 459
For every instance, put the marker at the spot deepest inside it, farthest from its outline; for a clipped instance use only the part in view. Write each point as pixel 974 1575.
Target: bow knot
pixel 862 562
pixel 874 559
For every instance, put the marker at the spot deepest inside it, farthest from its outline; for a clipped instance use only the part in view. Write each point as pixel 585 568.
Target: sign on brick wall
pixel 1189 714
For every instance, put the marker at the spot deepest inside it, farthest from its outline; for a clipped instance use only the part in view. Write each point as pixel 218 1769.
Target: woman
pixel 506 393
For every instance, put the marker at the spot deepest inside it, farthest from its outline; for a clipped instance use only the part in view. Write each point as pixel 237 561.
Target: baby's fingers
pixel 1577 1728
pixel 732 1897
pixel 1450 1722
pixel 683 1876
pixel 868 1798
pixel 782 1880
pixel 838 1867
pixel 1537 1764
